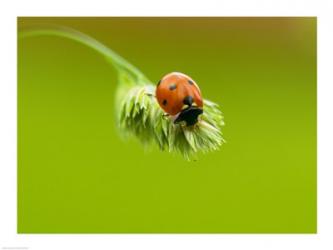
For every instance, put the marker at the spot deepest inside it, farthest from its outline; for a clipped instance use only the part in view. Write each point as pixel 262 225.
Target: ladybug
pixel 180 97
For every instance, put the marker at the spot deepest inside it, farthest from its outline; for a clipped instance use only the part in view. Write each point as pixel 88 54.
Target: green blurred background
pixel 77 175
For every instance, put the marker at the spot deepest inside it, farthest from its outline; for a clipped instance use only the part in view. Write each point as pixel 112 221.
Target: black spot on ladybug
pixel 165 102
pixel 190 82
pixel 172 86
pixel 188 100
pixel 159 82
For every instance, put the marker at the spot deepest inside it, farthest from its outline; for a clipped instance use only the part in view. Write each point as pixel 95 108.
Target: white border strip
pixel 8 236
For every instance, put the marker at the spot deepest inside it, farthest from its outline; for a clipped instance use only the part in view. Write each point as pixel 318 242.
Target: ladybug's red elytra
pixel 179 96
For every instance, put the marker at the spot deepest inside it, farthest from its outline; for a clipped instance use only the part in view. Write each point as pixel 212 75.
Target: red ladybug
pixel 179 96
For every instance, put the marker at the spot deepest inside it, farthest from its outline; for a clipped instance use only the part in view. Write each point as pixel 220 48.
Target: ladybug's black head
pixel 189 115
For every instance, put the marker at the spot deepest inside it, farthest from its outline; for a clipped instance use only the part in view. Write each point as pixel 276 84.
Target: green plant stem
pixel 116 60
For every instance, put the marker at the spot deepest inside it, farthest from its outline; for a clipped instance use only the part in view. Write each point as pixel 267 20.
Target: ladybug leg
pixel 150 94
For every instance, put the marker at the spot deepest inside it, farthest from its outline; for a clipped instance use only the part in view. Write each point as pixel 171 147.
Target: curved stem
pixel 116 60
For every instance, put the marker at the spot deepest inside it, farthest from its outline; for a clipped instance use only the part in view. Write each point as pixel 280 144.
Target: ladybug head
pixel 189 115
